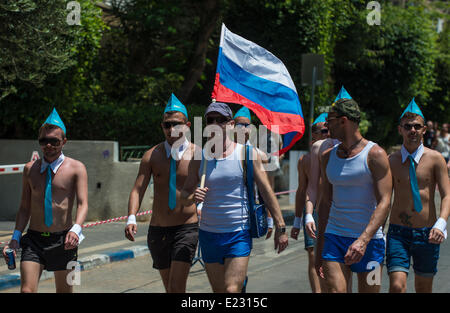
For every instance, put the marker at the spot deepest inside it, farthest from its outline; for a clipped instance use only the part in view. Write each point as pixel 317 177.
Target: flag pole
pixel 311 108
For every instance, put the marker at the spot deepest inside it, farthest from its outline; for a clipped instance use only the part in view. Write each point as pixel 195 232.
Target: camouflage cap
pixel 347 107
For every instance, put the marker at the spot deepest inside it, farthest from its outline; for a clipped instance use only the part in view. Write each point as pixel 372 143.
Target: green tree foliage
pixel 112 83
pixel 383 67
pixel 45 62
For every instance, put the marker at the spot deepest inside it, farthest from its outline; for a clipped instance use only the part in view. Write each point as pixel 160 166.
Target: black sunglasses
pixel 217 119
pixel 410 126
pixel 168 125
pixel 48 140
pixel 242 125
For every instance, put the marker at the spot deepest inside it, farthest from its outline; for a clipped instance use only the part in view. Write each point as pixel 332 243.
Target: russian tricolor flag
pixel 250 75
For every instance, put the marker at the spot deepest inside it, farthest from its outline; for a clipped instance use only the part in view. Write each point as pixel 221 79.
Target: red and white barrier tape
pixel 139 214
pixel 11 169
pixel 114 219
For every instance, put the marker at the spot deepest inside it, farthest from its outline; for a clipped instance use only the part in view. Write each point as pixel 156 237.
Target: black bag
pixel 257 212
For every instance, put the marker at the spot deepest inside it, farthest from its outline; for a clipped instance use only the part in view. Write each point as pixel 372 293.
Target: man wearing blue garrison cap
pixel 173 231
pixel 415 231
pixel 50 186
pixel 319 132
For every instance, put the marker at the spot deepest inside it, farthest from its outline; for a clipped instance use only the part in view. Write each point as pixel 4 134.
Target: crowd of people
pixel 438 138
pixel 343 202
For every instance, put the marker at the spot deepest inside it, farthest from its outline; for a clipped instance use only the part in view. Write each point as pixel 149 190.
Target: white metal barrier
pixel 11 169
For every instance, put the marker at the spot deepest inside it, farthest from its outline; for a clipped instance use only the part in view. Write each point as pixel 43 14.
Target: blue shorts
pixel 335 248
pixel 216 247
pixel 404 243
pixel 309 241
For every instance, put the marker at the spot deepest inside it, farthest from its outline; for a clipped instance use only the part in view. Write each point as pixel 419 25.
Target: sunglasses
pixel 47 140
pixel 328 119
pixel 217 119
pixel 168 125
pixel 243 125
pixel 410 126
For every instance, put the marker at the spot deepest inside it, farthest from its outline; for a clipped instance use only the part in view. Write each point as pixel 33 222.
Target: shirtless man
pixel 173 232
pixel 413 230
pixel 355 201
pixel 319 132
pixel 51 241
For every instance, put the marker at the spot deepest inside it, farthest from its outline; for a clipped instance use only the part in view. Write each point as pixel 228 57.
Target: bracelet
pixel 309 218
pixel 270 222
pixel 131 220
pixel 17 235
pixel 77 230
pixel 298 222
pixel 441 224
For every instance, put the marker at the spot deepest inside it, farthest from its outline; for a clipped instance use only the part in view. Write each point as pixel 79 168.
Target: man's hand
pixel 269 233
pixel 294 232
pixel 130 231
pixel 13 244
pixel 281 241
pixel 436 236
pixel 318 266
pixel 200 194
pixel 355 252
pixel 311 229
pixel 71 241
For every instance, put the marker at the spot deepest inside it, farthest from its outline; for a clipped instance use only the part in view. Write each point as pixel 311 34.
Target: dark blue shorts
pixel 216 247
pixel 309 241
pixel 404 243
pixel 335 248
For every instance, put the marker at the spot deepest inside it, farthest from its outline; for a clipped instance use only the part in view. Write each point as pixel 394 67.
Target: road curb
pixel 85 263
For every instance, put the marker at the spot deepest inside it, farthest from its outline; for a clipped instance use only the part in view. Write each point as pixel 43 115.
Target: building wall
pixel 109 181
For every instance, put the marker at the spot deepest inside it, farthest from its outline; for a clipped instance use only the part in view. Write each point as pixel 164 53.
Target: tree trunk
pixel 210 11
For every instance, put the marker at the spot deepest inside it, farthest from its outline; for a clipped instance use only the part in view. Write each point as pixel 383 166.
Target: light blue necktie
pixel 48 198
pixel 414 185
pixel 173 184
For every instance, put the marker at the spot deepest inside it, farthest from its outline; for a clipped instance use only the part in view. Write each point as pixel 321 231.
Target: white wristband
pixel 77 230
pixel 270 222
pixel 298 222
pixel 131 219
pixel 17 235
pixel 309 218
pixel 441 224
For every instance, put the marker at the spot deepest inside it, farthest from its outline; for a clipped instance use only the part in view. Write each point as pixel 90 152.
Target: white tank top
pixel 354 198
pixel 225 208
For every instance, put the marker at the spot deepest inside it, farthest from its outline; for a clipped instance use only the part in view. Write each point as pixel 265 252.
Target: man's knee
pixel 233 288
pixel 397 282
pixel 28 289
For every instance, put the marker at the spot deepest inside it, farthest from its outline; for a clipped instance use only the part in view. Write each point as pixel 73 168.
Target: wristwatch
pixel 281 230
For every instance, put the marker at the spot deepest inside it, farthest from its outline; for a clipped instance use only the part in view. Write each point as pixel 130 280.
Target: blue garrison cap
pixel 244 112
pixel 413 108
pixel 175 105
pixel 343 94
pixel 321 118
pixel 54 119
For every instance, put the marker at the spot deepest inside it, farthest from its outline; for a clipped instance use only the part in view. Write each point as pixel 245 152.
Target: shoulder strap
pixel 249 175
